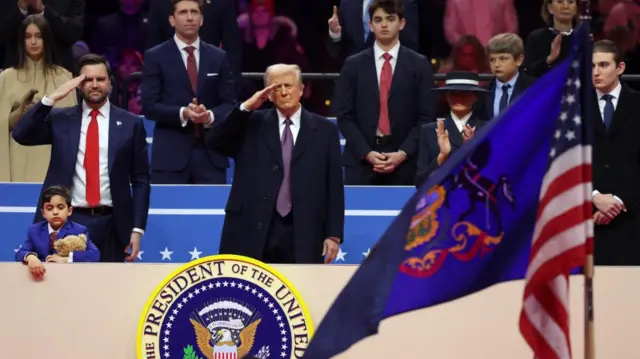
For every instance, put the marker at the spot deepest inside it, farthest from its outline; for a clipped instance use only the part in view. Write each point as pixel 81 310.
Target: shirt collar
pixel 181 44
pixel 378 52
pixel 104 110
pixel 295 118
pixel 615 92
pixel 511 82
pixel 461 120
pixel 51 229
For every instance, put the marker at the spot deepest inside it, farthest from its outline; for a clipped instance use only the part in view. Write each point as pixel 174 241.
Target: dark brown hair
pixel 391 7
pixel 608 47
pixel 52 191
pixel 49 52
pixel 93 59
pixel 175 2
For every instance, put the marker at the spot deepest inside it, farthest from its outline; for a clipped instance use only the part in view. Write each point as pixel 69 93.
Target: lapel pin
pixel 118 123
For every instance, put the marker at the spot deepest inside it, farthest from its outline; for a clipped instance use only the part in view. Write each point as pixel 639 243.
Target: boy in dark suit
pixel 506 54
pixel 438 140
pixel 38 247
pixel 382 100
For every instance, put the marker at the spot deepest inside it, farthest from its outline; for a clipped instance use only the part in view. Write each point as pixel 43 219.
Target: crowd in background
pixel 257 33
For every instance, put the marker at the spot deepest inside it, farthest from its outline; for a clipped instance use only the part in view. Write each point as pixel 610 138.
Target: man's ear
pixel 70 211
pixel 172 21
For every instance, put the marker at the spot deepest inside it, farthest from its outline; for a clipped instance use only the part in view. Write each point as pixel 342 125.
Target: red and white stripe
pixel 563 227
pixel 225 356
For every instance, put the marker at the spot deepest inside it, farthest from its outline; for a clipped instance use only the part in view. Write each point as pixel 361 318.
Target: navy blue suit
pixel 317 190
pixel 37 242
pixel 128 165
pixel 177 158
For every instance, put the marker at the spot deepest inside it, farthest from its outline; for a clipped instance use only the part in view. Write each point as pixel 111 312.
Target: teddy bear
pixel 70 244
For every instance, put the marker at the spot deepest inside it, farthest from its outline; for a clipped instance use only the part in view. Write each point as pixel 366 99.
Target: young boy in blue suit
pixel 55 204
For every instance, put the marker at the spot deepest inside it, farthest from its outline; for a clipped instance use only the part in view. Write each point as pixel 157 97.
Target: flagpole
pixel 589 327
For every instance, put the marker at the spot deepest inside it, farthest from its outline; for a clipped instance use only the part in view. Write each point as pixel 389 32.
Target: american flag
pixel 563 223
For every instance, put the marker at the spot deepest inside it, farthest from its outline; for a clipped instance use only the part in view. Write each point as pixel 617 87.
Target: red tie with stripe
pixel 192 70
pixel 92 161
pixel 53 236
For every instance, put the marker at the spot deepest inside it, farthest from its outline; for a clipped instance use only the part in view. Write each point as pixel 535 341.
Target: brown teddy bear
pixel 70 244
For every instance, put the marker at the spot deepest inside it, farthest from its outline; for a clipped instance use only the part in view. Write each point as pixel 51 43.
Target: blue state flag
pixel 471 224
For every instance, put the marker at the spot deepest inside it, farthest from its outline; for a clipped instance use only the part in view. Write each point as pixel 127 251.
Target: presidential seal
pixel 224 307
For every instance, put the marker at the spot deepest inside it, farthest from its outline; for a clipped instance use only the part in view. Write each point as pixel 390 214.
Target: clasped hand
pixel 608 208
pixel 197 113
pixel 386 162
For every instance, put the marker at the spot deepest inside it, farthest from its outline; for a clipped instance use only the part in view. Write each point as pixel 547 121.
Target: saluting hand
pixel 66 88
pixel 259 97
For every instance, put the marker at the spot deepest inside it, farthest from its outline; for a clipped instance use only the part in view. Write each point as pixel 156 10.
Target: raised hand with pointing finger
pixel 334 22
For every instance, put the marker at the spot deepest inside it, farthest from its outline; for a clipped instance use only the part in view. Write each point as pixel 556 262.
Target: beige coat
pixel 20 163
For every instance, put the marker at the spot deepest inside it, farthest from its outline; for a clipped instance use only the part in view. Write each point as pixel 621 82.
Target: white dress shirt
pixel 185 55
pixel 615 93
pixel 295 123
pixel 377 54
pixel 460 122
pixel 79 187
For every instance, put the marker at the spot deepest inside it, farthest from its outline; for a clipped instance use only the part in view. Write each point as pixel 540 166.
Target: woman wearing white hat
pixel 438 140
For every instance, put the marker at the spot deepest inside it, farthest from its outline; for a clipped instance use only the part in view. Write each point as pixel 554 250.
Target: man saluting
pixel 100 152
pixel 287 199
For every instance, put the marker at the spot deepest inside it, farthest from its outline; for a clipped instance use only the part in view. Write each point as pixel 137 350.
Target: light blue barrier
pixel 186 221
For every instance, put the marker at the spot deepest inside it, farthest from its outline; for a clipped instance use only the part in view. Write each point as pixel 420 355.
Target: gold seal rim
pixel 140 354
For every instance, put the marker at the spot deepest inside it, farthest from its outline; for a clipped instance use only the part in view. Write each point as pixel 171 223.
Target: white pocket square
pixel 213 74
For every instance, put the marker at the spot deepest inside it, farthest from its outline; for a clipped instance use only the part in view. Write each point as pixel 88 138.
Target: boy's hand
pixel 54 258
pixel 35 267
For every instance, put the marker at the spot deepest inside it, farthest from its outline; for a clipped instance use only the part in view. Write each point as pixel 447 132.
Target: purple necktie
pixel 283 204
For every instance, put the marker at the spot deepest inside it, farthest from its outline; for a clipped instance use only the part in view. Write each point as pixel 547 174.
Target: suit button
pixel 606 142
pixel 275 168
pixel 607 166
pixel 259 225
pixel 266 197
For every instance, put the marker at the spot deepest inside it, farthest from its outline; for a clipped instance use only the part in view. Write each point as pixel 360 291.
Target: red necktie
pixel 385 85
pixel 92 161
pixel 192 70
pixel 53 236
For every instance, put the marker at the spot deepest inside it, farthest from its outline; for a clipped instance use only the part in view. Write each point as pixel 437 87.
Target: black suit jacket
pixel 411 104
pixel 538 46
pixel 66 18
pixel 616 170
pixel 166 88
pixel 483 107
pixel 219 26
pixel 352 39
pixel 428 146
pixel 252 139
pixel 128 158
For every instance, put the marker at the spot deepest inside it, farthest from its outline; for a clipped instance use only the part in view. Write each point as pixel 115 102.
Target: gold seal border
pixel 219 257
